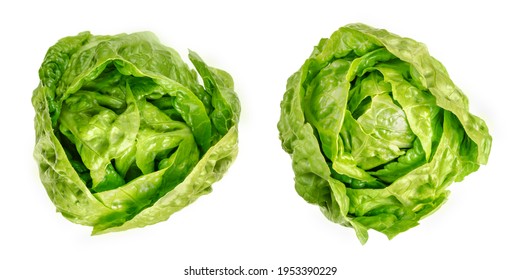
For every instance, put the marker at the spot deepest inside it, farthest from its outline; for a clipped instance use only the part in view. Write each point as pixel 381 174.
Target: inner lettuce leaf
pixel 377 131
pixel 126 132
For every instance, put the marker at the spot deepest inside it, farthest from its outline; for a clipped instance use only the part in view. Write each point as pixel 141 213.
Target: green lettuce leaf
pixel 125 133
pixel 377 131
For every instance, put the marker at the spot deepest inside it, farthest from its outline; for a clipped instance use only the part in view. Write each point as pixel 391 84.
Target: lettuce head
pixel 377 131
pixel 126 132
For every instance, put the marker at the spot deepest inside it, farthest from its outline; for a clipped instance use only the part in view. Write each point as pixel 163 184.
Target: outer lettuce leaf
pixel 377 131
pixel 125 134
pixel 208 170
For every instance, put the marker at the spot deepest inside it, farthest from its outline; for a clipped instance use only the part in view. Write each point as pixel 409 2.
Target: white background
pixel 254 218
